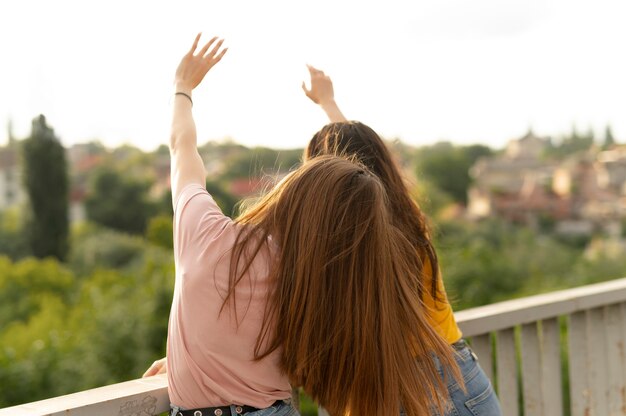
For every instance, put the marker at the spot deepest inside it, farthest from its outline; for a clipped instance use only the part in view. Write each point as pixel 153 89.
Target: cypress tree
pixel 609 140
pixel 46 183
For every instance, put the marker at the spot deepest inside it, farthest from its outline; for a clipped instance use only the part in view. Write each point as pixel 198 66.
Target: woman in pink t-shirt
pixel 313 285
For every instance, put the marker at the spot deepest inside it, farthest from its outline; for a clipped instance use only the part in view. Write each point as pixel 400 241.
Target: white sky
pixel 465 71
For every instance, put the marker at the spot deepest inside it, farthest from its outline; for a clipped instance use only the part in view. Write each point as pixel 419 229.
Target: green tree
pixel 224 199
pixel 13 240
pixel 447 166
pixel 46 181
pixel 118 201
pixel 23 284
pixel 609 140
pixel 573 143
pixel 97 248
pixel 259 161
pixel 160 231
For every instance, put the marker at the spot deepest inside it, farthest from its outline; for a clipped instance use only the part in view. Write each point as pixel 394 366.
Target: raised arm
pixel 323 94
pixel 187 166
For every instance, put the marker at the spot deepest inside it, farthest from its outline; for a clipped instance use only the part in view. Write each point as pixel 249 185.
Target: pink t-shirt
pixel 210 358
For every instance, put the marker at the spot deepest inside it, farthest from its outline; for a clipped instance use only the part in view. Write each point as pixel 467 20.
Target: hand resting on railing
pixel 157 367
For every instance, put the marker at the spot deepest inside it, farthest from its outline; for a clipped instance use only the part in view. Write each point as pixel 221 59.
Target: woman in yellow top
pixel 354 139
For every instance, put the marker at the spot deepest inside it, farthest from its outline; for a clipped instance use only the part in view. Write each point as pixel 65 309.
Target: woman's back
pixel 212 348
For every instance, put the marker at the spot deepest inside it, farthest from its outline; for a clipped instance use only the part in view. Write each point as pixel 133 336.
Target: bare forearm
pixel 187 166
pixel 183 128
pixel 333 112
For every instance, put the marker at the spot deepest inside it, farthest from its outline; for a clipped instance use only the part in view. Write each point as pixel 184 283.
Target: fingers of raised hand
pixel 213 51
pixel 204 58
pixel 307 91
pixel 207 46
pixel 317 76
pixel 314 71
pixel 195 44
pixel 211 55
pixel 219 56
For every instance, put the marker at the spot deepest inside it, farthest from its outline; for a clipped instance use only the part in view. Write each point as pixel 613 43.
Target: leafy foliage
pixel 224 199
pixel 447 167
pixel 260 161
pixel 573 143
pixel 493 261
pixel 119 201
pixel 13 239
pixel 64 331
pixel 160 231
pixel 609 139
pixel 105 248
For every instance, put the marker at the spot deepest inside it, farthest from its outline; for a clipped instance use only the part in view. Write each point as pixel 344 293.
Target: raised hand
pixel 323 94
pixel 194 66
pixel 321 91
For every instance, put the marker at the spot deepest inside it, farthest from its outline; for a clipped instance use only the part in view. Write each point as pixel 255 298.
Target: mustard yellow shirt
pixel 439 313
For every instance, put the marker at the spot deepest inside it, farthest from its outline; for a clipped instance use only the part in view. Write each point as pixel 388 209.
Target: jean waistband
pixel 460 344
pixel 234 410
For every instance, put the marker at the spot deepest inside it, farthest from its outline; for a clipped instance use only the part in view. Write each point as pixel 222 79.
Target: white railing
pixel 531 348
pixel 142 397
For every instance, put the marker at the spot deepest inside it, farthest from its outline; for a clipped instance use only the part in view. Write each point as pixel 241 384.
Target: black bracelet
pixel 186 95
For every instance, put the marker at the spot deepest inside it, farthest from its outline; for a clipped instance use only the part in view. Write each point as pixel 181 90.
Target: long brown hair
pixel 345 308
pixel 355 139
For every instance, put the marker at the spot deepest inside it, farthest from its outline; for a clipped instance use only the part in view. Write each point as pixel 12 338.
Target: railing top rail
pixel 506 314
pixel 135 397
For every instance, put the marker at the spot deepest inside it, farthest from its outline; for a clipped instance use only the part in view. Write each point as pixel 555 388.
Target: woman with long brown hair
pixel 356 140
pixel 313 285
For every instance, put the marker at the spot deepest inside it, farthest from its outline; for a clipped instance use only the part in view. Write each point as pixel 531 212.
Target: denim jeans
pixel 283 409
pixel 480 399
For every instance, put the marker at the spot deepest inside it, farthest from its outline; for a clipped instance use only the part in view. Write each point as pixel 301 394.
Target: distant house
pixel 515 185
pixel 11 190
pixel 614 162
pixel 77 205
pixel 584 181
pixel 82 159
pixel 245 187
pixel 584 192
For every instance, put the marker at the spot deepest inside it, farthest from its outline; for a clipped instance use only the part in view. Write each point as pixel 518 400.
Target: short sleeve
pixel 198 221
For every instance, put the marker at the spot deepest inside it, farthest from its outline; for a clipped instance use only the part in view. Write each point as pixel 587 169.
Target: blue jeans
pixel 283 409
pixel 480 399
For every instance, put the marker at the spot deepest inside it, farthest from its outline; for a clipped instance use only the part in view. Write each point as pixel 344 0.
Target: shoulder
pixel 198 221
